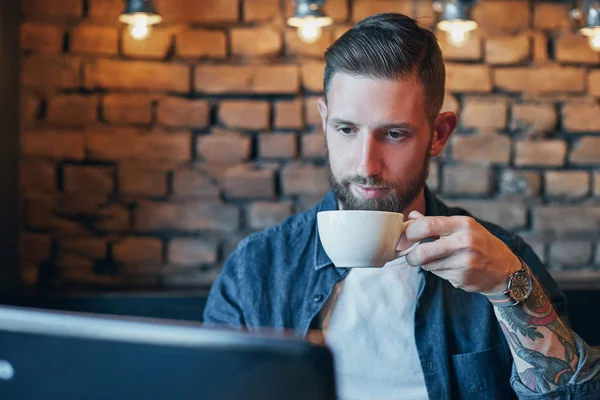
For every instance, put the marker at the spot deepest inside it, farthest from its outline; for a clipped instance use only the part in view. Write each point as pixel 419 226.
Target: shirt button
pixel 318 298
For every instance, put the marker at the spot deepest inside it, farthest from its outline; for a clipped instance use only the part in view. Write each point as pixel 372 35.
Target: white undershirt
pixel 368 323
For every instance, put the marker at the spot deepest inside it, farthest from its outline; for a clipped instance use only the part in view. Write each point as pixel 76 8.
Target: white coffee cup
pixel 361 239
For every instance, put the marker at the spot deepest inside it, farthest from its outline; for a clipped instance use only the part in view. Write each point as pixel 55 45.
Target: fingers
pixel 428 253
pixel 424 227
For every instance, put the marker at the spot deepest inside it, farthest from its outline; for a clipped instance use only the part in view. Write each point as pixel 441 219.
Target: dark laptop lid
pixel 49 354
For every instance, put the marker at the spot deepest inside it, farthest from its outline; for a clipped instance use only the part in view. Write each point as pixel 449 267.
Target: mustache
pixel 371 181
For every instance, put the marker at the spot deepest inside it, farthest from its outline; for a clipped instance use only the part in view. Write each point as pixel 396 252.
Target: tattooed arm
pixel 546 352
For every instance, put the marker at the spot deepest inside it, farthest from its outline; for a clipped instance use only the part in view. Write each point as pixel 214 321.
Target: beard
pixel 398 199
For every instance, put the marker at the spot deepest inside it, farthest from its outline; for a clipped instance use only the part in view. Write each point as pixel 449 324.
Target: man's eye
pixel 395 134
pixel 345 130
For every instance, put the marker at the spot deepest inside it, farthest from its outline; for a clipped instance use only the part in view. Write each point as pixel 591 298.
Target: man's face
pixel 378 141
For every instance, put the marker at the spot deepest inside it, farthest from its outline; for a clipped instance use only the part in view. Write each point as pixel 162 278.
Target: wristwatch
pixel 518 289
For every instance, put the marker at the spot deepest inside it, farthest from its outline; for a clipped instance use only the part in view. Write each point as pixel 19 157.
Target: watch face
pixel 520 286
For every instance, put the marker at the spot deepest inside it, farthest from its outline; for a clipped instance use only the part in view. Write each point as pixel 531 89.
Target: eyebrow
pixel 402 125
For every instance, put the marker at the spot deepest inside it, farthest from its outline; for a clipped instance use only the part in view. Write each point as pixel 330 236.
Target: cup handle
pixel 412 247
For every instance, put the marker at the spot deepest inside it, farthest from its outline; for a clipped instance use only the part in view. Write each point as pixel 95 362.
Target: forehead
pixel 363 99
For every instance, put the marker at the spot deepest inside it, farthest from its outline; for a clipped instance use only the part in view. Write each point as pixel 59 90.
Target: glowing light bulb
pixel 594 41
pixel 457 31
pixel 458 37
pixel 310 31
pixel 140 31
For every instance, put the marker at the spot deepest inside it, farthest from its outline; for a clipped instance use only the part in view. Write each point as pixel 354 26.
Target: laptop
pixel 51 354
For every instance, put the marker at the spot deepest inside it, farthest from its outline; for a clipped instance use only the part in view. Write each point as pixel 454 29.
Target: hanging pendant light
pixel 309 18
pixel 140 15
pixel 456 20
pixel 589 17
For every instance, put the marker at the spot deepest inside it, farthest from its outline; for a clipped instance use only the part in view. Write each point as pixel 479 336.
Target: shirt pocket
pixel 483 374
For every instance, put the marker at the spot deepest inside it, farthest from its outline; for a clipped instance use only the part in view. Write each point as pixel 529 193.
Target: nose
pixel 370 157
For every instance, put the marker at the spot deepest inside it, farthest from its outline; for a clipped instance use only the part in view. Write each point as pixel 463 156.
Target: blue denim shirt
pixel 281 277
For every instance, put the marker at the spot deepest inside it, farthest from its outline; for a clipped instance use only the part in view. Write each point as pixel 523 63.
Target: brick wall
pixel 144 163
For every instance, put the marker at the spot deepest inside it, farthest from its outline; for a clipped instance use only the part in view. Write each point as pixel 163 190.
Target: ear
pixel 322 106
pixel 443 126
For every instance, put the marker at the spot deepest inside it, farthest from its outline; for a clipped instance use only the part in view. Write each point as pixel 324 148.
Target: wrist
pixel 517 290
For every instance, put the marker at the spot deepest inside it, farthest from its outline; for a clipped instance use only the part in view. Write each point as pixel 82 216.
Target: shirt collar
pixel 433 207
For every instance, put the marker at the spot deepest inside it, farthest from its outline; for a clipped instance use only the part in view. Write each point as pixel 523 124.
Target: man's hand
pixel 466 254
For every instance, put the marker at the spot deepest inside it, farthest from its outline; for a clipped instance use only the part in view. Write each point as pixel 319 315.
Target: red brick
pixel 296 46
pixel 198 43
pixel 304 179
pixel 502 16
pixel 178 112
pixel 127 108
pixel 581 117
pixel 155 46
pixel 509 214
pixel 37 176
pixel 594 83
pixel 105 10
pixel 468 78
pixel 29 109
pixel 131 75
pixel 42 38
pixel 138 250
pixel 93 247
pixel 262 215
pixel 192 251
pixel 313 146
pixel 541 79
pixel 53 144
pixel 244 181
pixel 76 204
pixel 229 148
pixel 364 8
pixel 312 112
pixel 472 49
pixel 543 153
pixel 288 114
pixel 574 48
pixel 252 115
pixel 222 79
pixel 90 39
pixel 199 11
pixel 586 151
pixel 564 221
pixel 86 179
pixel 482 148
pixel 142 182
pixel 52 9
pixel 72 110
pixel 262 41
pixel 339 30
pixel 485 112
pixel 571 184
pixel 540 47
pixel 194 183
pixel 53 72
pixel 312 77
pixel 186 216
pixel 277 145
pixel 113 218
pixel 260 10
pixel 551 16
pixel 467 179
pixel 505 50
pixel 34 247
pixel 570 254
pixel 534 118
pixel 126 145
pixel 450 104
